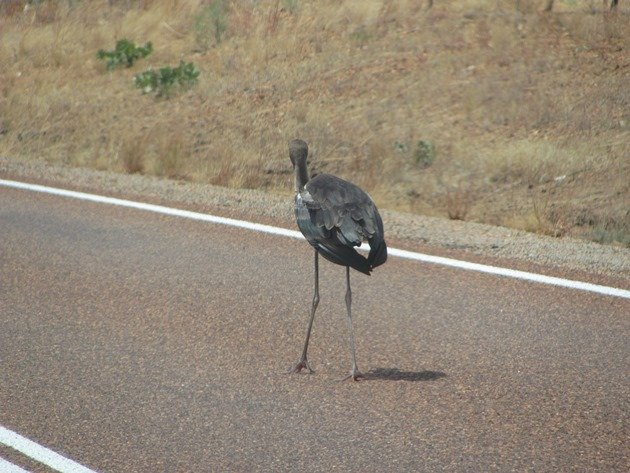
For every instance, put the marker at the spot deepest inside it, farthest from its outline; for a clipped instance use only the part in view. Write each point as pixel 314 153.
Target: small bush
pixel 163 80
pixel 458 202
pixel 424 154
pixel 126 53
pixel 172 151
pixel 211 24
pixel 401 147
pixel 291 5
pixel 612 231
pixel 133 153
pixel 361 36
pixel 606 236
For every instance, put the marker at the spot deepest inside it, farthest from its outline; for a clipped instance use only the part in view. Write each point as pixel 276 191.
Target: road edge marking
pixel 8 467
pixel 40 453
pixel 259 227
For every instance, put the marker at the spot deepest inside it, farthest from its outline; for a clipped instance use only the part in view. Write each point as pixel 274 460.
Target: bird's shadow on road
pixel 394 374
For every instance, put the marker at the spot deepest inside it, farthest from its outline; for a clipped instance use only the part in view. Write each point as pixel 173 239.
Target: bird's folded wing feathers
pixel 343 206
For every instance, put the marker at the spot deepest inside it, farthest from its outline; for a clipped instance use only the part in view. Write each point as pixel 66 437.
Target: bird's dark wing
pixel 336 216
pixel 342 205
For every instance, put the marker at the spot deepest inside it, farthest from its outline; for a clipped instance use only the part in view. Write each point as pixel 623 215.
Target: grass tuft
pixel 133 153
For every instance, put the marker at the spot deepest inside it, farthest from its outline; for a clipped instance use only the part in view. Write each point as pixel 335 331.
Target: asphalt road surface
pixel 131 342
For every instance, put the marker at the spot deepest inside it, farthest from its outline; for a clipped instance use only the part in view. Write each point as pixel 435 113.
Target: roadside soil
pixel 484 243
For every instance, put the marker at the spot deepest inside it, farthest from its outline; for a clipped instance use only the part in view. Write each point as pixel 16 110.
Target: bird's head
pixel 298 151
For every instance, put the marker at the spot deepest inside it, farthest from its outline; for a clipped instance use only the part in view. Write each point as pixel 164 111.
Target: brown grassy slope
pixel 528 114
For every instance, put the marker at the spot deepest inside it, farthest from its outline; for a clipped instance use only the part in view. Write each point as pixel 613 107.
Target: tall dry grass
pixel 509 97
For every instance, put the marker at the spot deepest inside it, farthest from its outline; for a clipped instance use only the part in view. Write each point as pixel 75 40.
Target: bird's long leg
pixel 355 374
pixel 303 363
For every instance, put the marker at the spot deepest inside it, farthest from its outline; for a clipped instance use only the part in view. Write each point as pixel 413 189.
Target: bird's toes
pixel 354 376
pixel 302 365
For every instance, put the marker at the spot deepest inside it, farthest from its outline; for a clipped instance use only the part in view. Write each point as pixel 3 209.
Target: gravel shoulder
pixel 429 234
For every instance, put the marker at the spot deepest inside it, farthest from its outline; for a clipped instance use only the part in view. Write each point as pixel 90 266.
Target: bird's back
pixel 335 216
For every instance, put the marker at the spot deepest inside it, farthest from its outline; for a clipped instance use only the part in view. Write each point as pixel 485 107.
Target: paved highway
pixel 131 341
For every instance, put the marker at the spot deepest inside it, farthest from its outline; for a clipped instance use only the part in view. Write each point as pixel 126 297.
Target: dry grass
pixel 133 154
pixel 540 219
pixel 510 98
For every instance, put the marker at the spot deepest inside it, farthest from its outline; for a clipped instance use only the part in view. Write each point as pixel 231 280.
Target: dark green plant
pixel 126 53
pixel 361 36
pixel 610 231
pixel 401 147
pixel 424 154
pixel 291 5
pixel 211 23
pixel 163 80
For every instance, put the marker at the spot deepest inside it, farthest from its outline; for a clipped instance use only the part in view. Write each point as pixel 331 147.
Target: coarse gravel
pixel 409 230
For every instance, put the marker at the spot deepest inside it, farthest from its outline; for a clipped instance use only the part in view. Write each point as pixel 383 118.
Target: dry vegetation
pixel 524 115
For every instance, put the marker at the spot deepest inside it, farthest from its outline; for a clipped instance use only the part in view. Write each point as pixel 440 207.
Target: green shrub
pixel 424 154
pixel 126 53
pixel 361 36
pixel 162 81
pixel 401 146
pixel 291 5
pixel 211 23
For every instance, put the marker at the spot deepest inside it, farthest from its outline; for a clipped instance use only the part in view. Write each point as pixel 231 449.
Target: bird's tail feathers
pixel 345 256
pixel 378 253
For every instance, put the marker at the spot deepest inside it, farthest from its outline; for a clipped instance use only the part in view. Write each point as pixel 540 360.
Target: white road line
pixel 8 467
pixel 39 453
pixel 511 273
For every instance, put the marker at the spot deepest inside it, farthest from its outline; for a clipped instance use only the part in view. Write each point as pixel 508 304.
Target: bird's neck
pixel 301 178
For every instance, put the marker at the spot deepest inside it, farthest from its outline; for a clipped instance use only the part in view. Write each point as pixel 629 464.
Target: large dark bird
pixel 335 216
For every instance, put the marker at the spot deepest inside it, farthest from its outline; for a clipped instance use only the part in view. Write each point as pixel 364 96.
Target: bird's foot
pixel 355 375
pixel 302 365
